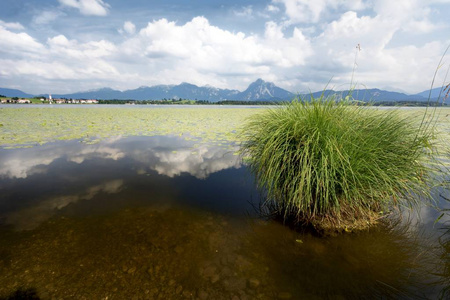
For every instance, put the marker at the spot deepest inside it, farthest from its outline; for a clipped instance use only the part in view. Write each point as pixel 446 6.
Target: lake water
pixel 164 218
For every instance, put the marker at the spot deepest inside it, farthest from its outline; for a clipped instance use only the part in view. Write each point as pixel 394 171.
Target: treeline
pixel 409 103
pixel 164 101
pixel 242 102
pixel 189 102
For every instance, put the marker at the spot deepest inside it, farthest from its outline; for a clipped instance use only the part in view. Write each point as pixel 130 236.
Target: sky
pixel 64 46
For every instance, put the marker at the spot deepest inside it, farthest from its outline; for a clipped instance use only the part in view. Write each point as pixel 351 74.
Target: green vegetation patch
pixel 338 166
pixel 30 126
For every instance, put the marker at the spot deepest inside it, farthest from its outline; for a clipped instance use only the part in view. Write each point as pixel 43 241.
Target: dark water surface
pixel 164 218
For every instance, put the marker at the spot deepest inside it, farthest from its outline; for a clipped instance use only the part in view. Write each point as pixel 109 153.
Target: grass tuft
pixel 336 165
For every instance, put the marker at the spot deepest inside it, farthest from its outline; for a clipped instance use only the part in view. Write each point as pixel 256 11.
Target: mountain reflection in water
pixel 166 218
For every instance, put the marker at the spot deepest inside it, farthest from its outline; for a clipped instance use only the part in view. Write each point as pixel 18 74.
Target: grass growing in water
pixel 334 165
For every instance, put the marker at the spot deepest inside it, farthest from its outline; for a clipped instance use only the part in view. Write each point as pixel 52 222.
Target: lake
pixel 155 203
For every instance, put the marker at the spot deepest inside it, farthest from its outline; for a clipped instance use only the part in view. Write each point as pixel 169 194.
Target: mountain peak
pixel 262 90
pixel 103 89
pixel 187 84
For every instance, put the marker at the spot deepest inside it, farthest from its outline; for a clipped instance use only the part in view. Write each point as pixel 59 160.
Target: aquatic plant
pixel 336 165
pixel 29 126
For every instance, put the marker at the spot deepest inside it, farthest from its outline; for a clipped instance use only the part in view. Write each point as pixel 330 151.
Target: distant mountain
pixel 259 90
pixel 181 91
pixel 14 93
pixel 376 95
pixel 104 93
pixel 158 92
pixel 435 93
pixel 367 95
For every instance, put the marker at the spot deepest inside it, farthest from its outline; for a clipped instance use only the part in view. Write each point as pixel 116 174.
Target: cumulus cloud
pixel 338 26
pixel 88 7
pixel 200 49
pixel 372 32
pixel 11 26
pixel 58 59
pixel 20 44
pixel 378 63
pixel 60 45
pixel 410 15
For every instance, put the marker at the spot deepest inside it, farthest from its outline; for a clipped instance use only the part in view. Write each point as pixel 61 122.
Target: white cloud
pixel 60 58
pixel 409 15
pixel 200 50
pixel 129 27
pixel 69 62
pixel 244 12
pixel 339 26
pixel 272 8
pixel 47 16
pixel 18 43
pixel 378 64
pixel 61 46
pixel 306 11
pixel 371 32
pixel 88 7
pixel 11 26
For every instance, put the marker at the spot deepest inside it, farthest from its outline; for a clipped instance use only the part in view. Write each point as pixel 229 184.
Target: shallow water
pixel 165 218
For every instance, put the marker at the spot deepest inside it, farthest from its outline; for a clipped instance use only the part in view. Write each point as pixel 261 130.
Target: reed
pixel 335 165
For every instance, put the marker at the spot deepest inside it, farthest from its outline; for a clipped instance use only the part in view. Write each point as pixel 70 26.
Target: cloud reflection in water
pixel 83 171
pixel 166 155
pixel 31 217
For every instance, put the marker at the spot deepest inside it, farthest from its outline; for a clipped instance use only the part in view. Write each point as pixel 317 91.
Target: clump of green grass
pixel 336 165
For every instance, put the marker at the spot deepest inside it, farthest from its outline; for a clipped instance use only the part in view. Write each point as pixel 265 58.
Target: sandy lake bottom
pixel 162 216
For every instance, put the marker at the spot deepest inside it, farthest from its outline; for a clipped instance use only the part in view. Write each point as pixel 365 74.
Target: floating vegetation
pixel 338 166
pixel 33 126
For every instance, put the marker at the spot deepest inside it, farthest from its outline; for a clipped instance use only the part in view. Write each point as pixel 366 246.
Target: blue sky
pixel 61 46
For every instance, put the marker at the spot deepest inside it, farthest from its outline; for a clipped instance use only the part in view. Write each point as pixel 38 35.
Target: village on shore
pixel 49 100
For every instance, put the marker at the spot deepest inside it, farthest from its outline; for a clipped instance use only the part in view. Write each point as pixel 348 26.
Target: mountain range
pixel 259 90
